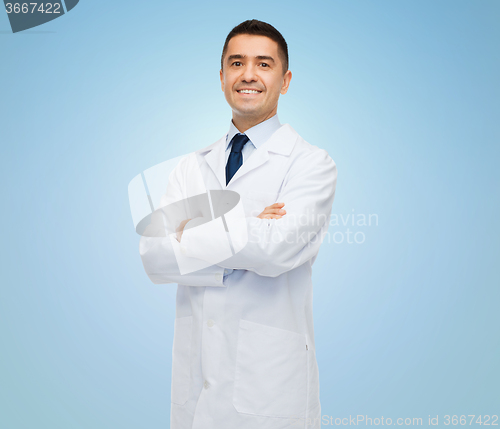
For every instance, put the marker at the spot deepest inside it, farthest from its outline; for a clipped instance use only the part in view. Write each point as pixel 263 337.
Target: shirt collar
pixel 258 134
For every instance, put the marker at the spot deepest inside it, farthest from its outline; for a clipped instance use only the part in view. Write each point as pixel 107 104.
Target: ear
pixel 286 82
pixel 221 80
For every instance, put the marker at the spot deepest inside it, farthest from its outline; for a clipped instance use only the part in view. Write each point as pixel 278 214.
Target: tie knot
pixel 238 142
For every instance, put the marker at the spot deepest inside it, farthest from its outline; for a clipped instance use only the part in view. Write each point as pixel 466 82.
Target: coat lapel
pixel 281 142
pixel 259 157
pixel 215 159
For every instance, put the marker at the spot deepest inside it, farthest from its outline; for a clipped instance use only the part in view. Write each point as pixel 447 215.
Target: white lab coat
pixel 243 352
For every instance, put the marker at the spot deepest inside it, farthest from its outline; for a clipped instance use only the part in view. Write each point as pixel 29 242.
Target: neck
pixel 243 123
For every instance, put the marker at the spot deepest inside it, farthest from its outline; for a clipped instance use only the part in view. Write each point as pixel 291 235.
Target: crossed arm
pixel 274 211
pixel 278 240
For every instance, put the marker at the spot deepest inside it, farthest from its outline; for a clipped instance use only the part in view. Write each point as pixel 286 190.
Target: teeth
pixel 248 91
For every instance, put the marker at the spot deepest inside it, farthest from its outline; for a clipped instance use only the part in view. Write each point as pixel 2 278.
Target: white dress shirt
pixel 257 135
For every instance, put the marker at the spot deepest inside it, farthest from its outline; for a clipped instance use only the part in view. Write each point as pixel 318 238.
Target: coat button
pixel 218 277
pixel 206 385
pixel 210 323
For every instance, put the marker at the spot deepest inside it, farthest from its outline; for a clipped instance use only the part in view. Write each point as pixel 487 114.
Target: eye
pixel 235 63
pixel 265 64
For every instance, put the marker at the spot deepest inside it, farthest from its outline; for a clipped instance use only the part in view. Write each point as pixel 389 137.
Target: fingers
pixel 269 216
pixel 276 208
pixel 274 211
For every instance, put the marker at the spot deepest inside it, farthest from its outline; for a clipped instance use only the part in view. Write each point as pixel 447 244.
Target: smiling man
pixel 244 354
pixel 254 75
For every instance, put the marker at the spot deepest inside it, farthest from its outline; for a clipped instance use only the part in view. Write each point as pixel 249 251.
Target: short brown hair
pixel 259 28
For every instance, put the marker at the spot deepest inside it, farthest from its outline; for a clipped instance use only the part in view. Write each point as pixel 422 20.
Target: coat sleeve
pixel 276 246
pixel 157 248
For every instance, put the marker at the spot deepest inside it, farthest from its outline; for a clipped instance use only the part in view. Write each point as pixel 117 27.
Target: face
pixel 252 78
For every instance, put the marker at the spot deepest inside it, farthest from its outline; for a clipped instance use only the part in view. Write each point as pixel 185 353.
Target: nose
pixel 249 74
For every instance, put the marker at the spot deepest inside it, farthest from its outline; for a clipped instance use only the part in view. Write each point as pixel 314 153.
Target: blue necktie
pixel 235 157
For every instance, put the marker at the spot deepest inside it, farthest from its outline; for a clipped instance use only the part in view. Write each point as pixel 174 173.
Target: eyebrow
pixel 259 57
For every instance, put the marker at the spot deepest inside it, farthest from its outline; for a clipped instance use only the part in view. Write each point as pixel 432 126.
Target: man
pixel 243 353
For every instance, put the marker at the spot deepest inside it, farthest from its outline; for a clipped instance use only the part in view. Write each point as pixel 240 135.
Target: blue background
pixel 404 96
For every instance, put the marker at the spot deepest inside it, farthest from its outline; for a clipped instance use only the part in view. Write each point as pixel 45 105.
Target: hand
pixel 180 229
pixel 274 211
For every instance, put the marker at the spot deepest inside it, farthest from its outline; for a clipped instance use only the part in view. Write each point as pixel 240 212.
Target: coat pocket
pixel 271 371
pixel 181 360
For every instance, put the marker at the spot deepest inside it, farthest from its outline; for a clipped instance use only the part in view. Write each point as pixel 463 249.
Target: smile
pixel 248 91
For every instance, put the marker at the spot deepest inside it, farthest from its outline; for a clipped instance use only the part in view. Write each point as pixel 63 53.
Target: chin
pixel 247 108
